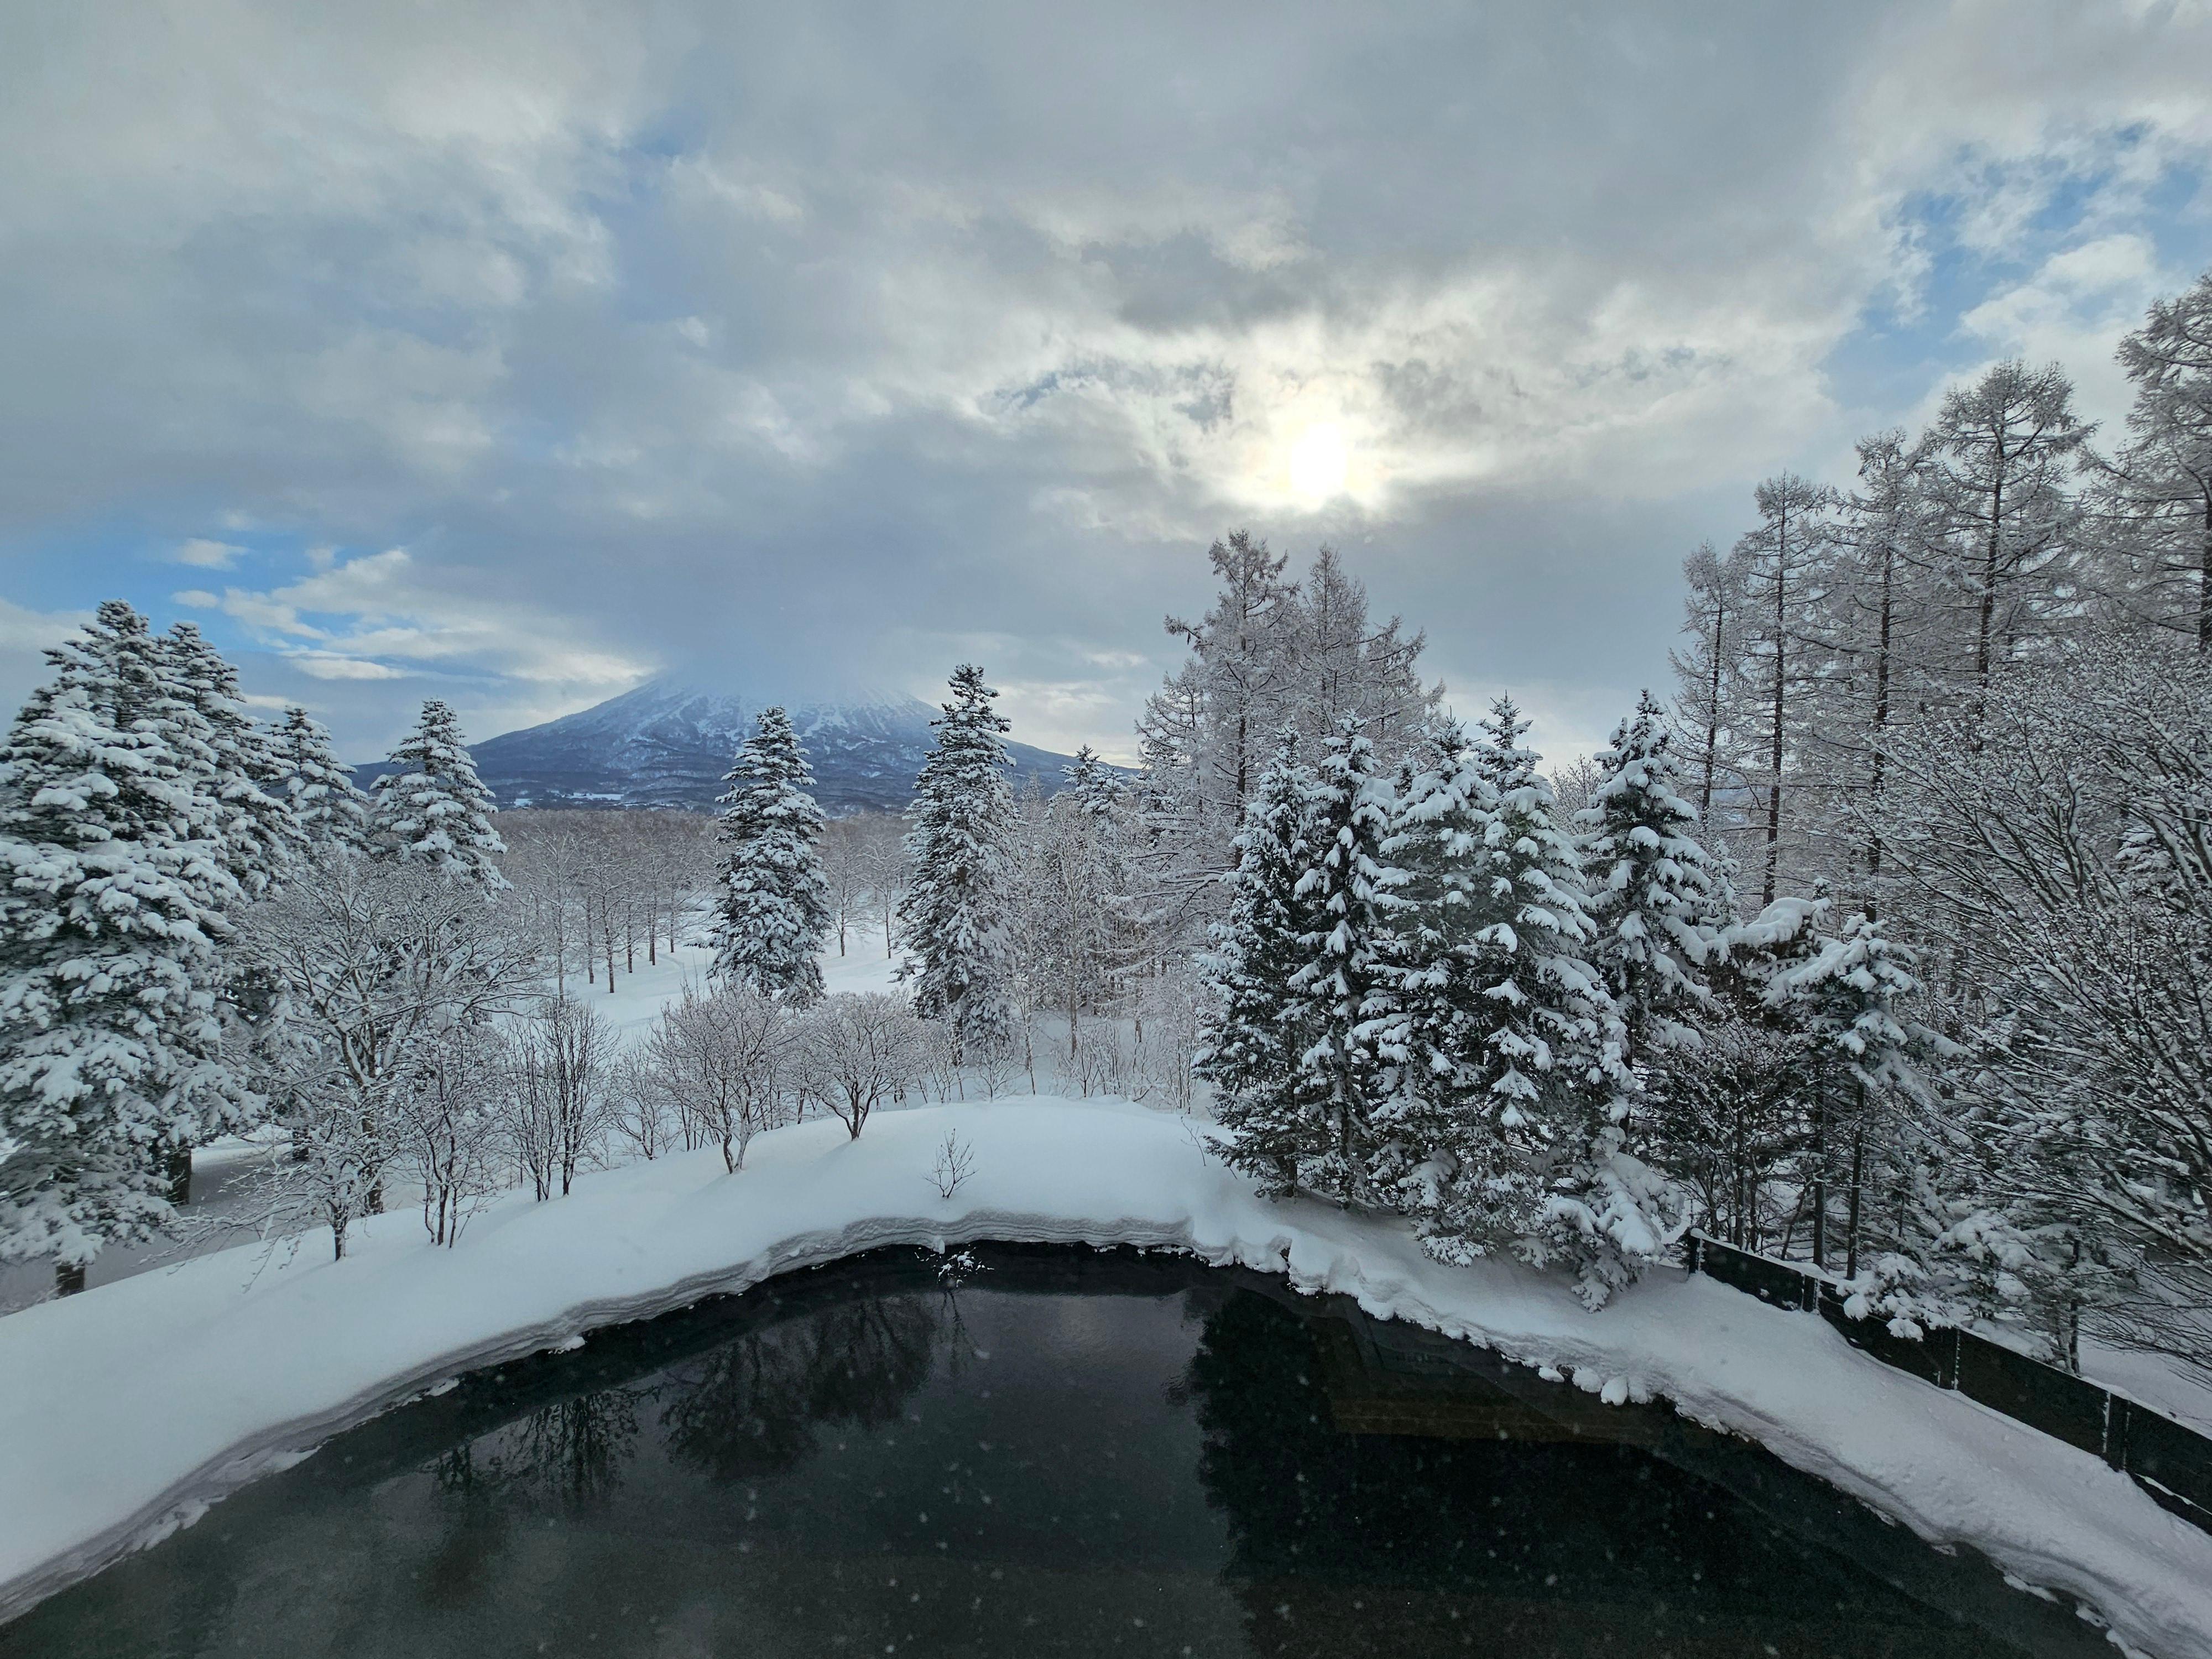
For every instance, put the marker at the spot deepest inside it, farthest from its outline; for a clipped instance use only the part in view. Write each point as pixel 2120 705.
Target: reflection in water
pixel 754 1405
pixel 1380 1510
pixel 1075 1454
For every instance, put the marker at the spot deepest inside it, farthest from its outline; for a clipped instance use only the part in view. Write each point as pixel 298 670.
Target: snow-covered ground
pixel 637 999
pixel 124 1411
pixel 221 1173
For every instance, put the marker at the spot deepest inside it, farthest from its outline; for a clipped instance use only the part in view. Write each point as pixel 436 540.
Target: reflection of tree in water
pixel 569 1454
pixel 1347 1544
pixel 752 1406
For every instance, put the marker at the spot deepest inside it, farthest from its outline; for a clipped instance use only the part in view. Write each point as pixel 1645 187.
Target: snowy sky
pixel 510 355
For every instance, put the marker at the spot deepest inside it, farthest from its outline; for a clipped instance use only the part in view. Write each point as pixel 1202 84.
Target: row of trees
pixel 1969 692
pixel 1948 734
pixel 150 837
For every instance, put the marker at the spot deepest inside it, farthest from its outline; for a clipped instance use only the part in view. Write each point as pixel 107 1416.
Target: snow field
pixel 126 1411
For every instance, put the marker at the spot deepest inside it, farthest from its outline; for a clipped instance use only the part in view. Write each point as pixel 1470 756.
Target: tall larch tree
pixel 2165 472
pixel 114 883
pixel 2007 447
pixel 1780 563
pixel 433 809
pixel 955 917
pixel 772 911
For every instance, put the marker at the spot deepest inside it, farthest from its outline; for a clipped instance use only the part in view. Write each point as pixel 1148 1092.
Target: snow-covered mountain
pixel 668 744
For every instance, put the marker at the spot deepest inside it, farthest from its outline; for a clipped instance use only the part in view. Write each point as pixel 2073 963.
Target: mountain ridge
pixel 667 744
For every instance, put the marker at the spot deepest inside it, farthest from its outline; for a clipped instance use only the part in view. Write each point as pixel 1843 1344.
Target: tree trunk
pixel 1781 690
pixel 69 1278
pixel 178 1171
pixel 2204 582
pixel 1858 1171
pixel 1820 1180
pixel 1881 730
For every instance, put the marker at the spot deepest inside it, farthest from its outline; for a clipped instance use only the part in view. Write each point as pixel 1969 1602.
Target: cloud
pixel 24 636
pixel 205 554
pixel 812 350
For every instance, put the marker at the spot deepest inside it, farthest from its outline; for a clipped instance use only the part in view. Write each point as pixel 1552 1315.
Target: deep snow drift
pixel 123 1411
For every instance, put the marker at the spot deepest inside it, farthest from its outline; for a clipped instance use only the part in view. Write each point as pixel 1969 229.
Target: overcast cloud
pixel 513 355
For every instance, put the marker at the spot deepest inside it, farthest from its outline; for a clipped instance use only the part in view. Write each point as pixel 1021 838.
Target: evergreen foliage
pixel 1260 1027
pixel 1346 893
pixel 772 911
pixel 260 834
pixel 433 810
pixel 1653 895
pixel 114 882
pixel 325 803
pixel 956 916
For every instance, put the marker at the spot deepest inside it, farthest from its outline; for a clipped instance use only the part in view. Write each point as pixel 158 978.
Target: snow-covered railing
pixel 2169 1460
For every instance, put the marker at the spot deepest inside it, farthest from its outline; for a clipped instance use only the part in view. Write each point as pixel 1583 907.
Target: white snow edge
pixel 126 1411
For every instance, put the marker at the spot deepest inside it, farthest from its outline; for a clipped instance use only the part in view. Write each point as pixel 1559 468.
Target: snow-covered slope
pixel 668 744
pixel 127 1409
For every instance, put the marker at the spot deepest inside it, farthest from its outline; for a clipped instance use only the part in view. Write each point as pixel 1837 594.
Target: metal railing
pixel 2169 1460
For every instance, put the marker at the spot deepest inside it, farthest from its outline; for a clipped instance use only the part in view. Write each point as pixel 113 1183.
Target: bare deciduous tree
pixel 855 1051
pixel 723 1056
pixel 560 1066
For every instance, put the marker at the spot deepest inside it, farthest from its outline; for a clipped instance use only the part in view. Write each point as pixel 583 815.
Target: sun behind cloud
pixel 1320 463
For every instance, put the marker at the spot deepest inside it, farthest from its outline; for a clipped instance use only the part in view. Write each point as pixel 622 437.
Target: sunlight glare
pixel 1319 461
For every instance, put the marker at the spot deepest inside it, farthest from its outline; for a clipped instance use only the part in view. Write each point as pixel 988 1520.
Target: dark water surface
pixel 1043 1453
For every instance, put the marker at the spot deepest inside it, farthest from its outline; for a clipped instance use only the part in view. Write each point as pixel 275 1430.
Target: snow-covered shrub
pixel 856 1051
pixel 724 1057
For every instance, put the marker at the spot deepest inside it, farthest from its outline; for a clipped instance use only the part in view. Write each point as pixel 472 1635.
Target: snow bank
pixel 124 1411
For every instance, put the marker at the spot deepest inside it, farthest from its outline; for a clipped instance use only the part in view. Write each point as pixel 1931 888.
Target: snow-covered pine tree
pixel 1654 893
pixel 772 910
pixel 1098 789
pixel 1848 997
pixel 1552 1050
pixel 433 810
pixel 1503 1021
pixel 1258 1028
pixel 1440 1144
pixel 955 917
pixel 325 800
pixel 1346 894
pixel 260 834
pixel 113 890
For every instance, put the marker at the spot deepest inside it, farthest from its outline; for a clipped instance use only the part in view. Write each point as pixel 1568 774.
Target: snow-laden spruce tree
pixel 954 919
pixel 324 801
pixel 1441 1145
pixel 260 835
pixel 1259 1027
pixel 1346 897
pixel 1098 789
pixel 1549 1062
pixel 1850 998
pixel 433 810
pixel 113 890
pixel 772 910
pixel 1654 896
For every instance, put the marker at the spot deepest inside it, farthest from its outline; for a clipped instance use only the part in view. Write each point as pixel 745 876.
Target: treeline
pixel 1967 692
pixel 1885 946
pixel 207 930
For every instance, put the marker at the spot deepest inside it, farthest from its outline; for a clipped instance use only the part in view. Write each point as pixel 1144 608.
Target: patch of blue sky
pixel 1911 334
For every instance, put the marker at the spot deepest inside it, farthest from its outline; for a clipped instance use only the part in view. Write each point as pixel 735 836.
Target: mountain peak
pixel 669 742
